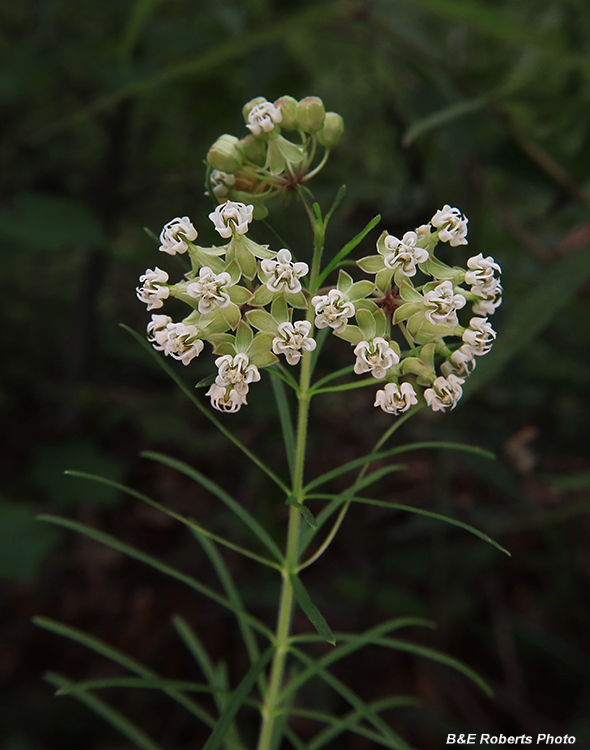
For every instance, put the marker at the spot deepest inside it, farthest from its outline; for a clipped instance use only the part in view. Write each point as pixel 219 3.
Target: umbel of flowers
pixel 264 162
pixel 417 326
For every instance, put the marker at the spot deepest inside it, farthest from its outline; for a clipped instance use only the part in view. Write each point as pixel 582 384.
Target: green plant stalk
pixel 271 707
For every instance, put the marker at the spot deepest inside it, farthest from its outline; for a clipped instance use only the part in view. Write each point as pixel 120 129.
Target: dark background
pixel 107 110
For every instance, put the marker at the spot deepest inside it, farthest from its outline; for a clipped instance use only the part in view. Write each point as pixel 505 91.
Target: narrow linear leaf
pixel 222 495
pixel 286 422
pixel 313 613
pixel 346 386
pixel 327 541
pixel 421 512
pixel 358 462
pixel 364 710
pixel 191 396
pixel 445 115
pixel 193 525
pixel 337 201
pixel 348 248
pixel 116 719
pixel 278 372
pixel 218 735
pixel 376 475
pixel 305 512
pixel 430 653
pixel 320 341
pixel 333 375
pixel 168 570
pixel 138 682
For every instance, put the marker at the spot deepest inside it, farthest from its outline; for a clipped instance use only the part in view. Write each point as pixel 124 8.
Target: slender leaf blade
pixel 313 613
pixel 348 248
pixel 286 422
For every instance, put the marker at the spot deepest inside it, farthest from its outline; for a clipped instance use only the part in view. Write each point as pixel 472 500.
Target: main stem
pixel 271 705
pixel 283 631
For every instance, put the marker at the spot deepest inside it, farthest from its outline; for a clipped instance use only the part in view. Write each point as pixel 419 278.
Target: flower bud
pixel 247 108
pixel 332 131
pixel 310 114
pixel 226 154
pixel 288 107
pixel 254 150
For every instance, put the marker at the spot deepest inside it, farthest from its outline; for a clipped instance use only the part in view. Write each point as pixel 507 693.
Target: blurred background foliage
pixel 107 110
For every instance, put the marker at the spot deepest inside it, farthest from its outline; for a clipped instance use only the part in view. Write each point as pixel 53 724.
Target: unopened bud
pixel 332 131
pixel 288 107
pixel 247 108
pixel 226 154
pixel 311 114
pixel 254 150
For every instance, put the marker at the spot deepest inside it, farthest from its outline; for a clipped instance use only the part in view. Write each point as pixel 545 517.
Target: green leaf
pixel 108 713
pixel 127 549
pixel 347 249
pixel 358 462
pixel 347 386
pixel 366 323
pixel 239 696
pixel 371 264
pixel 286 422
pixel 206 382
pixel 420 512
pixel 309 608
pixel 138 682
pixel 248 519
pixel 375 476
pixel 193 525
pixel 305 512
pixel 119 657
pixel 337 200
pixel 191 396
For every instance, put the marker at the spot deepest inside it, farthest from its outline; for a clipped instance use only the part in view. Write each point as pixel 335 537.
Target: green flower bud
pixel 288 107
pixel 254 150
pixel 311 114
pixel 247 108
pixel 226 154
pixel 332 131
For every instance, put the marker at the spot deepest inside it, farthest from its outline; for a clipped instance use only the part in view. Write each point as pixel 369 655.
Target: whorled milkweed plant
pixel 416 327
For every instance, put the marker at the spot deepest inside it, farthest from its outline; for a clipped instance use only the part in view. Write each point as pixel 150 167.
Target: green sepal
pixel 259 352
pixel 403 312
pixel 244 336
pixel 231 314
pixel 408 293
pixel 416 323
pixel 279 310
pixel 263 321
pixel 371 264
pixel 212 323
pixel 282 152
pixel 381 249
pixel 359 290
pixel 246 260
pixel 223 346
pixel 380 323
pixel 383 280
pixel 416 366
pixel 201 257
pixel 367 324
pixel 239 294
pixel 233 268
pixel 351 333
pixel 345 281
pixel 296 299
pixel 262 296
pixel 439 270
pixel 367 304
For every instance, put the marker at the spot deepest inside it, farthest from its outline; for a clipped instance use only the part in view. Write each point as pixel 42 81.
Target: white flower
pixel 175 339
pixel 151 292
pixel 442 303
pixel 221 182
pixel 491 297
pixel 461 363
pixel 395 399
pixel 225 398
pixel 263 117
pixel 404 254
pixel 209 290
pixel 293 339
pixel 452 224
pixel 375 357
pixel 482 270
pixel 237 372
pixel 486 306
pixel 230 217
pixel 174 235
pixel 284 275
pixel 332 310
pixel 445 393
pixel 479 337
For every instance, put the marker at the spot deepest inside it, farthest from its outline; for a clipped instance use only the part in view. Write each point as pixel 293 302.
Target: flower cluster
pixel 264 162
pixel 222 283
pixel 418 325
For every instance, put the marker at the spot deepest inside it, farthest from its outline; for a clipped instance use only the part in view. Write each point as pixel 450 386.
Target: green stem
pixel 271 709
